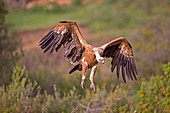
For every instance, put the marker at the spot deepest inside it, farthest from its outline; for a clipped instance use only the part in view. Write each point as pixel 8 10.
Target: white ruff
pixel 99 58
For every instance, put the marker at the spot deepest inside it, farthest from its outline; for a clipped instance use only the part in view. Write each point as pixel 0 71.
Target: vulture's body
pixel 67 34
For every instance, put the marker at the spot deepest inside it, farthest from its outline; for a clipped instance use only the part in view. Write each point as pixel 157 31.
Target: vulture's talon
pixel 92 86
pixel 82 84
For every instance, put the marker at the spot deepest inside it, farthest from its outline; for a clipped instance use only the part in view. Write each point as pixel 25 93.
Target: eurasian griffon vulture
pixel 67 34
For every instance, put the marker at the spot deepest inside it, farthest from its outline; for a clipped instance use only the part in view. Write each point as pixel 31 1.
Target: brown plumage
pixel 67 35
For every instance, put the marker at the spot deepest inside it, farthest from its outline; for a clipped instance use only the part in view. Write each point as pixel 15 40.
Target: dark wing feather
pixel 121 53
pixel 66 34
pixel 123 73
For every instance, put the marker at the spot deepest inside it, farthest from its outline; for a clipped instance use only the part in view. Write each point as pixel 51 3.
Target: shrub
pixel 154 96
pixel 21 95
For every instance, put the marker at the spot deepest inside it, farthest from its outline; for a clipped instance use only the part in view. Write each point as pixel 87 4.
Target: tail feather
pixel 77 67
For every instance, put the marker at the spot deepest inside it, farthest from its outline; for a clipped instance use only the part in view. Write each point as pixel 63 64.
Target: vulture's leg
pixel 93 71
pixel 84 68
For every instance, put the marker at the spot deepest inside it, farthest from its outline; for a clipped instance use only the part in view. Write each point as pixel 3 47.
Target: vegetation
pixel 8 47
pixel 153 96
pixel 22 95
pixel 42 84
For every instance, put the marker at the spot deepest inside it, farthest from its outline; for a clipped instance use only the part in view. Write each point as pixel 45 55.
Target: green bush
pixel 21 95
pixel 154 96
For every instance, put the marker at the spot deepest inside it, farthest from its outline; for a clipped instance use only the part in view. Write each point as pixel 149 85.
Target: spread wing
pixel 66 34
pixel 121 53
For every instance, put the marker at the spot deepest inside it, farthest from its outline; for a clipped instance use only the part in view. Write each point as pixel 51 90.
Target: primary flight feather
pixel 67 35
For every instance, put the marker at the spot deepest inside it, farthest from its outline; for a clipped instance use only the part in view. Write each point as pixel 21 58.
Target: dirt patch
pixel 30 39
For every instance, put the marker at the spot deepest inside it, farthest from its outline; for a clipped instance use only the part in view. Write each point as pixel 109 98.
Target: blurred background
pixel 31 81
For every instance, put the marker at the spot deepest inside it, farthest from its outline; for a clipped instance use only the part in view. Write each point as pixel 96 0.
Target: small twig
pixel 83 106
pixel 88 109
pixel 75 110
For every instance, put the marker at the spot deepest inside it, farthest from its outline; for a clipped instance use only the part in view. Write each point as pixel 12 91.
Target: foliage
pixel 8 47
pixel 154 96
pixel 21 95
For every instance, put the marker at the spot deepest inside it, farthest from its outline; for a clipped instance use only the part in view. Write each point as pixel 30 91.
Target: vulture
pixel 66 34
